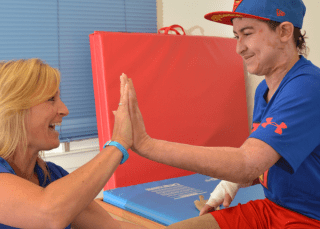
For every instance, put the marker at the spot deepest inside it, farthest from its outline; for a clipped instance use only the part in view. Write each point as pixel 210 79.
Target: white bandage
pixel 218 194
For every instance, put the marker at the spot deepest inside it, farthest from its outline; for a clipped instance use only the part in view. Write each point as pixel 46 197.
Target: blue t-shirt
pixel 290 124
pixel 55 171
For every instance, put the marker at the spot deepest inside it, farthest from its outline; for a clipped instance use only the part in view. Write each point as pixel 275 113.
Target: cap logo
pixel 236 4
pixel 280 13
pixel 219 17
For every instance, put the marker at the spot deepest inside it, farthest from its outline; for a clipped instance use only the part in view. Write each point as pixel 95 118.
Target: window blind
pixel 29 29
pixel 58 32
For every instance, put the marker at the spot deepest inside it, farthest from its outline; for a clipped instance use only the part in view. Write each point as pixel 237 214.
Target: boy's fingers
pixel 132 97
pixel 206 208
pixel 200 203
pixel 227 200
pixel 132 90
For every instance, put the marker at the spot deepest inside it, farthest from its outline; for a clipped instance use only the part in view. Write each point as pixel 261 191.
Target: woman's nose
pixel 63 110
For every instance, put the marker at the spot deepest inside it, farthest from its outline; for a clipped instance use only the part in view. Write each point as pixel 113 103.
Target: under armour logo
pixel 280 13
pixel 236 4
pixel 279 127
pixel 255 127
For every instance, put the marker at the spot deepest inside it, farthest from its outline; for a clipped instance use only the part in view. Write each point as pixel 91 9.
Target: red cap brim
pixel 225 17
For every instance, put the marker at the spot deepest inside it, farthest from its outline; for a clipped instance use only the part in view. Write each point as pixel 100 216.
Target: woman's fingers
pixel 123 82
pixel 125 98
pixel 122 131
pixel 124 93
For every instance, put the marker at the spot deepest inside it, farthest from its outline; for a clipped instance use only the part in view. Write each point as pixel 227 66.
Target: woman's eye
pixel 247 34
pixel 51 99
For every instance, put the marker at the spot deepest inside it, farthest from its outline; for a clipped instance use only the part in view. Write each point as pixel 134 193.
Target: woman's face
pixel 257 44
pixel 40 123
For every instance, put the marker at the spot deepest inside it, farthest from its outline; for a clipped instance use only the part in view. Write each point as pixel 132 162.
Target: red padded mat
pixel 190 89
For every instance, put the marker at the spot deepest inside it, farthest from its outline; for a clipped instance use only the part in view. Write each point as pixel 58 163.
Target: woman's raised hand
pixel 122 131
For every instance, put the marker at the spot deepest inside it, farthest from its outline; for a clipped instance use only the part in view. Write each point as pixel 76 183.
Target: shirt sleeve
pixel 291 126
pixel 3 169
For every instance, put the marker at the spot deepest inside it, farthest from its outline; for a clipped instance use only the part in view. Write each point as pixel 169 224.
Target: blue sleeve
pixel 261 89
pixel 3 169
pixel 292 125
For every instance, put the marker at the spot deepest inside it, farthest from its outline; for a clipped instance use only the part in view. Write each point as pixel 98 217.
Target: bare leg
pixel 206 221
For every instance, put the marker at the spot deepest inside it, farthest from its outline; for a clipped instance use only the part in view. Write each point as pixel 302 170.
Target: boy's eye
pixel 245 34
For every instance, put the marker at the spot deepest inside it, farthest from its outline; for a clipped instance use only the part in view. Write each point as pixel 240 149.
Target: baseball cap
pixel 276 10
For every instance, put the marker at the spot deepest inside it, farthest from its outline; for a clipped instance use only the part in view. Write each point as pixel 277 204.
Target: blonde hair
pixel 24 84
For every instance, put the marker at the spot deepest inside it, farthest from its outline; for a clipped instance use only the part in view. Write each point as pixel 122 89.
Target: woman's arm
pixel 26 205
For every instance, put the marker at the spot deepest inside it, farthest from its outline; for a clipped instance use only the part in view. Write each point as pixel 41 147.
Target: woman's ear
pixel 286 30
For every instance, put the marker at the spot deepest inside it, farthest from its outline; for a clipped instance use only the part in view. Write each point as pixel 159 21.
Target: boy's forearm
pixel 212 161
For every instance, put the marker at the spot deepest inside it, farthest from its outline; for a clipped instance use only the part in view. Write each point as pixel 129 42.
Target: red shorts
pixel 262 214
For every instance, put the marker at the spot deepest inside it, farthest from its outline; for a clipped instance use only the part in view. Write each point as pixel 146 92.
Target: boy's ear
pixel 286 30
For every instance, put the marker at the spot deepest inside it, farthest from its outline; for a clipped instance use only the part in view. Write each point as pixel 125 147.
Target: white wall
pixel 190 15
pixel 311 26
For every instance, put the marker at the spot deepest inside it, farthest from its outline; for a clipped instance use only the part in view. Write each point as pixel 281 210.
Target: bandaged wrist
pixel 218 194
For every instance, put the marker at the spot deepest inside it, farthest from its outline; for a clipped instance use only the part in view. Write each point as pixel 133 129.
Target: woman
pixel 284 147
pixel 34 194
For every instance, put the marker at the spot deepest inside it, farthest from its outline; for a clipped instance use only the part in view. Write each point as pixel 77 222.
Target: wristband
pixel 120 147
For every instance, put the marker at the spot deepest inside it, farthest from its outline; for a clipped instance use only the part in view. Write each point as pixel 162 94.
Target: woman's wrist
pixel 122 142
pixel 120 147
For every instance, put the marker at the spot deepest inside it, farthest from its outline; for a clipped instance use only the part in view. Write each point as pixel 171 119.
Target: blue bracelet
pixel 120 147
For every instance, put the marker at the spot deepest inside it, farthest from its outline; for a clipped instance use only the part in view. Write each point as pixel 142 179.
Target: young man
pixel 284 147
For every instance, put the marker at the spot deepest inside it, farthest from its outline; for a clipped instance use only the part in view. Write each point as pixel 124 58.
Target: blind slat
pixel 29 30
